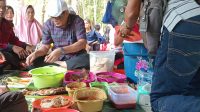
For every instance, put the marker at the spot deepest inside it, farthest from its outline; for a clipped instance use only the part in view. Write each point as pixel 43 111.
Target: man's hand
pixel 20 52
pixel 42 51
pixel 53 56
pixel 29 49
pixel 30 59
pixel 124 30
pixel 2 57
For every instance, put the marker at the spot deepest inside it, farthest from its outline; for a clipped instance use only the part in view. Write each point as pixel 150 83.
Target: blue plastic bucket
pixel 131 52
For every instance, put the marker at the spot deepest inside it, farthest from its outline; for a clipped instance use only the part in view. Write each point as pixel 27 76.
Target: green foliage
pixel 88 7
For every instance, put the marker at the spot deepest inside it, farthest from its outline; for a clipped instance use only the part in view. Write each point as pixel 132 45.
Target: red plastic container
pixel 110 77
pixel 67 80
pixel 122 96
pixel 124 106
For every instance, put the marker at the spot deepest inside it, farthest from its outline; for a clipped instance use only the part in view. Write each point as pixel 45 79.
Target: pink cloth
pixel 28 32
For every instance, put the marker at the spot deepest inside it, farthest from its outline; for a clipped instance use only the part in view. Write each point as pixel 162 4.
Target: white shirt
pixel 178 10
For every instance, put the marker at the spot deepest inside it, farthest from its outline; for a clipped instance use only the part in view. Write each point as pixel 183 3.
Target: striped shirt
pixel 60 37
pixel 178 10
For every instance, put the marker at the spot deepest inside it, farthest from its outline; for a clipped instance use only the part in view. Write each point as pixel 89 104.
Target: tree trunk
pixel 83 7
pixel 43 10
pixel 95 11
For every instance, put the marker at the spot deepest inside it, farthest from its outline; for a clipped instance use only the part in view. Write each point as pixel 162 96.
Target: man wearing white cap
pixel 67 33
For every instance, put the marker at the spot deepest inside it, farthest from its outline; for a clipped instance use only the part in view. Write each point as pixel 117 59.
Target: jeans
pixel 176 79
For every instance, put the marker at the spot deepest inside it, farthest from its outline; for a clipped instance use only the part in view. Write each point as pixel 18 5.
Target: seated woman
pixel 9 14
pixel 12 50
pixel 94 39
pixel 29 30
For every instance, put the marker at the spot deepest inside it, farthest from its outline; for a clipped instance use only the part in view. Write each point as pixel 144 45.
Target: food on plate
pixel 46 92
pixel 75 85
pixel 16 82
pixel 56 102
pixel 110 77
pixel 106 76
pixel 83 75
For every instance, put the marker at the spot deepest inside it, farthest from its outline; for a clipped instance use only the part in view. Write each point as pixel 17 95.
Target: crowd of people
pixel 66 33
pixel 176 78
pixel 175 83
pixel 22 43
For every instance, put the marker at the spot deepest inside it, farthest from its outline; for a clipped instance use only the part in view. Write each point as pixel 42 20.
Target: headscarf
pixel 28 32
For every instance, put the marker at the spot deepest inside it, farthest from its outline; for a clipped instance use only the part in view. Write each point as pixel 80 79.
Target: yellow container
pixel 71 87
pixel 90 99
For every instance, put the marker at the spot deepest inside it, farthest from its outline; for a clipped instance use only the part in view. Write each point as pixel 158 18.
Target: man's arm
pixel 132 12
pixel 40 52
pixel 55 54
pixel 43 50
pixel 77 46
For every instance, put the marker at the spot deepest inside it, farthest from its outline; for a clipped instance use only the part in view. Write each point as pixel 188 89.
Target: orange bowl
pixel 36 104
pixel 62 110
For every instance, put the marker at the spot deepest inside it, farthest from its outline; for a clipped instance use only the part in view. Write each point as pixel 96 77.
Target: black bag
pixel 198 1
pixel 151 17
pixel 13 102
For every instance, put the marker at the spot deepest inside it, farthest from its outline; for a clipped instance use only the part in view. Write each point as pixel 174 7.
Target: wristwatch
pixel 62 50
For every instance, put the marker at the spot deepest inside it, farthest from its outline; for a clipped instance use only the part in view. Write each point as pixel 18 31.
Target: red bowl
pixel 36 104
pixel 62 110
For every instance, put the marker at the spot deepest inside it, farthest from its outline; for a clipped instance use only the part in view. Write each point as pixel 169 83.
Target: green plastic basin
pixel 47 76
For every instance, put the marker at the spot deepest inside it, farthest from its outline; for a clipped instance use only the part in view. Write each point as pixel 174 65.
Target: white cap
pixel 56 7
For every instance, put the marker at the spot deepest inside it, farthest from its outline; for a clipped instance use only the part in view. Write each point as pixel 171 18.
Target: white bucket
pixel 102 61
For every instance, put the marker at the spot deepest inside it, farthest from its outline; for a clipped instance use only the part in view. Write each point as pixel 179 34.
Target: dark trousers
pixel 11 59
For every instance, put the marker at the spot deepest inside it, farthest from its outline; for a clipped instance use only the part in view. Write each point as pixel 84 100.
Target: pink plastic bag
pixel 110 77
